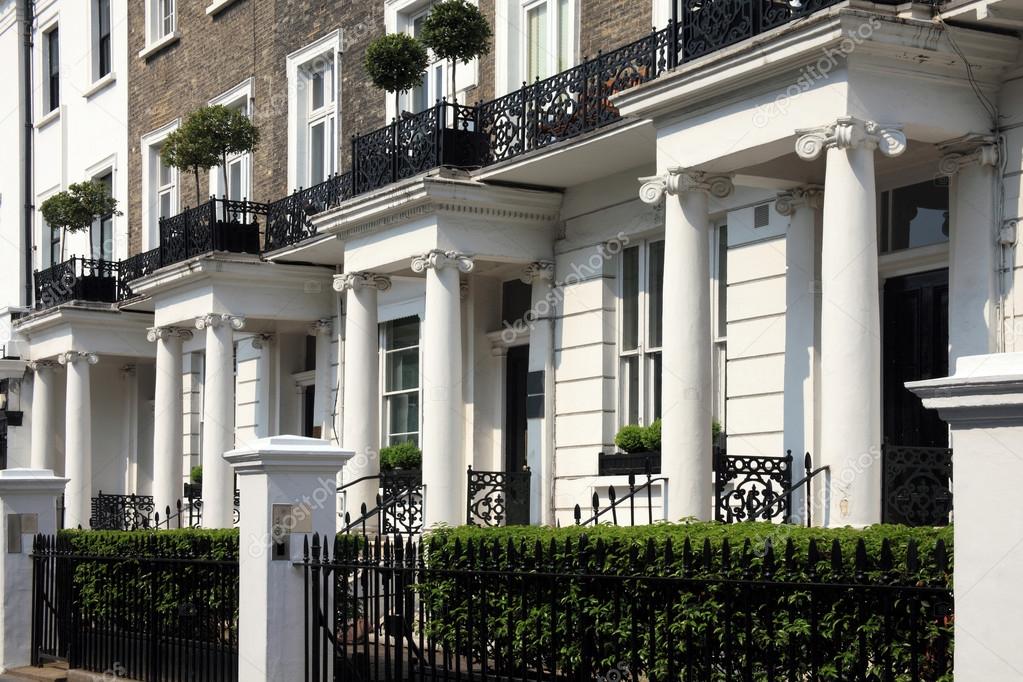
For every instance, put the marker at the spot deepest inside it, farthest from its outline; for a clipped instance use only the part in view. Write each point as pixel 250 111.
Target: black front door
pixel 915 347
pixel 516 372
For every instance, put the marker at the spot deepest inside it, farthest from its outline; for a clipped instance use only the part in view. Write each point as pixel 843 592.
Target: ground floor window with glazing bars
pixel 578 610
pixel 145 614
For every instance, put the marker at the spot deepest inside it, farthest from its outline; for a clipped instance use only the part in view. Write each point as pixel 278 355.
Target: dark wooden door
pixel 516 371
pixel 915 335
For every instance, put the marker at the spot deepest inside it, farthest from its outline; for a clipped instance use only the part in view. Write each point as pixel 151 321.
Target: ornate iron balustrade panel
pixel 288 219
pixel 916 485
pixel 418 142
pixel 497 498
pixel 76 279
pixel 55 284
pixel 187 234
pixel 373 156
pixel 122 512
pixel 402 512
pixel 747 487
pixel 136 267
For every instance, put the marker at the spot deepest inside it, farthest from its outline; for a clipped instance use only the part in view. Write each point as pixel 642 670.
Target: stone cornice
pixel 679 180
pixel 851 133
pixel 361 280
pixel 251 270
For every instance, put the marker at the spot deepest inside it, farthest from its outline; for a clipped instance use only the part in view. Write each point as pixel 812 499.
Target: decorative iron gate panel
pixel 751 487
pixel 497 498
pixel 402 511
pixel 916 488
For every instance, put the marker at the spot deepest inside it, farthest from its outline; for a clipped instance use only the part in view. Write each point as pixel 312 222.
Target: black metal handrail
pixel 399 511
pixel 766 509
pixel 76 279
pixel 615 501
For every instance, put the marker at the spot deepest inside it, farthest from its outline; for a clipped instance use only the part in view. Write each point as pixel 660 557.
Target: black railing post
pixel 808 469
pixel 394 149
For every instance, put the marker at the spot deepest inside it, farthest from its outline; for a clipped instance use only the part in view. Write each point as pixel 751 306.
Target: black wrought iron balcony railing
pixel 537 115
pixel 76 279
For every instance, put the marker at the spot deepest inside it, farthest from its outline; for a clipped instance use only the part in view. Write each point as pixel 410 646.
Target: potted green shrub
pixel 401 457
pixel 457 31
pixel 75 210
pixel 637 445
pixel 206 139
pixel 194 486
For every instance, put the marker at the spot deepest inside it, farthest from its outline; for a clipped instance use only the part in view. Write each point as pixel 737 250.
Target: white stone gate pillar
pixel 850 315
pixel 361 421
pixel 443 410
pixel 28 501
pixel 78 438
pixel 168 417
pixel 218 418
pixel 686 347
pixel 983 405
pixel 43 455
pixel 540 393
pixel 287 482
pixel 801 206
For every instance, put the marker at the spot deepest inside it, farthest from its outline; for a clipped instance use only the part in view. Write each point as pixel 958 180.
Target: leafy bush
pixel 195 475
pixel 401 456
pixel 76 208
pixel 601 603
pixel 630 438
pixel 652 436
pixel 456 30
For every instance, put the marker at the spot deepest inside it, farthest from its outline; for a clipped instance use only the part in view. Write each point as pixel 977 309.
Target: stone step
pixel 51 672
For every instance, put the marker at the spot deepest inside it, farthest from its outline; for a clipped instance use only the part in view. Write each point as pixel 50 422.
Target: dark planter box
pixel 236 237
pixel 96 288
pixel 463 148
pixel 624 463
pixel 191 490
pixel 14 418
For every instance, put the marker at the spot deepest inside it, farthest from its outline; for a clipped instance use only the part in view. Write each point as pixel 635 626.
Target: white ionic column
pixel 850 315
pixel 323 331
pixel 168 419
pixel 686 347
pixel 443 471
pixel 800 206
pixel 218 418
pixel 972 164
pixel 43 454
pixel 78 438
pixel 539 424
pixel 361 426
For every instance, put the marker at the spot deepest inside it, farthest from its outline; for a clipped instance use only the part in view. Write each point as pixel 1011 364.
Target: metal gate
pixel 497 498
pixel 916 487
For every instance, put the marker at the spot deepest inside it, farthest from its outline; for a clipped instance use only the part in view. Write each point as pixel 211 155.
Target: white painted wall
pixel 12 292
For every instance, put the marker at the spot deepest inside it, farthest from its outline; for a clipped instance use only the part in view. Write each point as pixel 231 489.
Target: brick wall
pixel 607 24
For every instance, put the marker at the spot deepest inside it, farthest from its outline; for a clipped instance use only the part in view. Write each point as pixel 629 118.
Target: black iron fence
pixel 141 617
pixel 916 485
pixel 76 279
pixel 383 612
pixel 216 225
pixel 497 498
pixel 138 512
pixel 752 487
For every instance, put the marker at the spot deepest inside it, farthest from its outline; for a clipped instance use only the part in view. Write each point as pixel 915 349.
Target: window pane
pixel 103 46
pixel 630 298
pixel 166 17
pixel 166 174
pixel 316 161
pixel 536 42
pixel 234 179
pixel 723 281
pixel 403 333
pixel 402 370
pixel 54 244
pixel 53 68
pixel 630 390
pixel 564 36
pixel 403 414
pixel 165 205
pixel 316 88
pixel 655 292
pixel 654 382
pixel 918 216
pixel 331 146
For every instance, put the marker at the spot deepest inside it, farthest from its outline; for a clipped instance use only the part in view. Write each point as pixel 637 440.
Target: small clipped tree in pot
pixel 396 62
pixel 75 210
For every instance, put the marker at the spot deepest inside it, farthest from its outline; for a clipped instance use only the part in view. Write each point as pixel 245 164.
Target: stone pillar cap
pixel 26 481
pixel 984 387
pixel 295 454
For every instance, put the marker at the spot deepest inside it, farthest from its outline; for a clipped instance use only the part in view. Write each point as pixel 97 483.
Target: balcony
pixel 76 279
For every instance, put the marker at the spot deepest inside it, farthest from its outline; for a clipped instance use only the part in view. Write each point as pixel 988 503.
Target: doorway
pixel 915 333
pixel 516 373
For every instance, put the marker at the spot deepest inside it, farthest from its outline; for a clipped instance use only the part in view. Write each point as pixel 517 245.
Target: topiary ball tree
pixel 396 62
pixel 78 207
pixel 456 30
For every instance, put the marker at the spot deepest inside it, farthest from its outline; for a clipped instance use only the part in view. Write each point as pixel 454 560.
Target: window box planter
pixel 236 237
pixel 96 288
pixel 463 148
pixel 624 463
pixel 14 417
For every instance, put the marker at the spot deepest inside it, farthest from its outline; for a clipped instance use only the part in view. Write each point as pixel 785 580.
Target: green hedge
pixel 485 581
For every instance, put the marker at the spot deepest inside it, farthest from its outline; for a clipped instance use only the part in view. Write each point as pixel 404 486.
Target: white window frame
pixel 95 76
pixel 48 106
pixel 96 172
pixel 510 41
pixel 385 395
pixel 238 97
pixel 643 350
pixel 150 146
pixel 159 32
pixel 719 320
pixel 301 116
pixel 436 78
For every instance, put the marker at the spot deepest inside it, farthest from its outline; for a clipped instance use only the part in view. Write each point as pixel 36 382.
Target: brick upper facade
pixel 252 38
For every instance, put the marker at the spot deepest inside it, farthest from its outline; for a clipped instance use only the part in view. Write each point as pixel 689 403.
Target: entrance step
pixel 52 672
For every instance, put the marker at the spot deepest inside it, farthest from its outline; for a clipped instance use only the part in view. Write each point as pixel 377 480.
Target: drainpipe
pixel 26 12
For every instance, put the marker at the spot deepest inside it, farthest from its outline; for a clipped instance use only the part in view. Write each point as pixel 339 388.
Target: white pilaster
pixel 323 331
pixel 44 454
pixel 168 419
pixel 539 427
pixel 686 347
pixel 972 164
pixel 261 343
pixel 218 418
pixel 361 427
pixel 850 315
pixel 298 474
pixel 78 438
pixel 443 470
pixel 800 206
pixel 30 495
